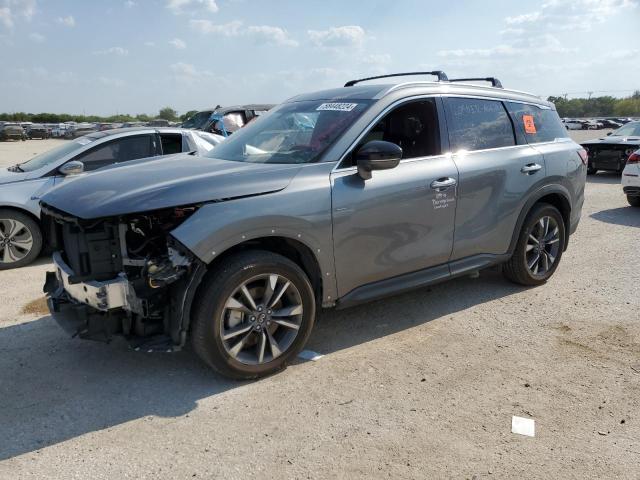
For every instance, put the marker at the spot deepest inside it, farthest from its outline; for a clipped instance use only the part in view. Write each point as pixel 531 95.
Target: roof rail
pixel 493 80
pixel 442 77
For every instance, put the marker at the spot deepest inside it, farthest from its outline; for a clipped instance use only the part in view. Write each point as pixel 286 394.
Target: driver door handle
pixel 443 183
pixel 530 168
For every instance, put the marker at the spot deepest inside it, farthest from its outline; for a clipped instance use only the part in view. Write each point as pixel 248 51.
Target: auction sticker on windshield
pixel 337 107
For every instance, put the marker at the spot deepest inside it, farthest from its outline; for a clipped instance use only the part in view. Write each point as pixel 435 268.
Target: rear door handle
pixel 531 168
pixel 443 183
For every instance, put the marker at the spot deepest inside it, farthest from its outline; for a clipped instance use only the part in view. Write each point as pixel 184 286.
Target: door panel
pixel 393 223
pixel 492 191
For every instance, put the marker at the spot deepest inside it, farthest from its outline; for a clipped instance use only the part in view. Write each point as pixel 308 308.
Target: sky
pixel 137 56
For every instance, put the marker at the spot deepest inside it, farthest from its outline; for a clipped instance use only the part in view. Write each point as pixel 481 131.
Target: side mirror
pixel 377 155
pixel 73 167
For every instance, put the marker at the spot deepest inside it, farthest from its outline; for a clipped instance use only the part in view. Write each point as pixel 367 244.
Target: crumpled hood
pixel 614 140
pixel 151 185
pixel 10 177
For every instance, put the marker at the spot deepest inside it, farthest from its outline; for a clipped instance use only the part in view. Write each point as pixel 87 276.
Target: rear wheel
pixel 539 247
pixel 634 201
pixel 20 239
pixel 253 314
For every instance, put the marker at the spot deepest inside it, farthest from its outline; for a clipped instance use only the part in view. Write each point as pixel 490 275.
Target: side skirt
pixel 421 278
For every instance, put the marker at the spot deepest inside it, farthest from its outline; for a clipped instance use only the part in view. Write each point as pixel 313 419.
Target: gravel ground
pixel 422 385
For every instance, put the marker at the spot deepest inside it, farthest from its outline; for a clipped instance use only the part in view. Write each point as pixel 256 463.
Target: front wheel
pixel 254 313
pixel 634 201
pixel 539 247
pixel 20 239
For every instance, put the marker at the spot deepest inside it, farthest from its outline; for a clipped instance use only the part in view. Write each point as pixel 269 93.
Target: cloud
pixel 67 21
pixel 178 7
pixel 178 43
pixel 269 35
pixel 36 37
pixel 262 34
pixel 122 52
pixel 545 44
pixel 184 69
pixel 11 10
pixel 571 14
pixel 149 44
pixel 231 29
pixel 129 4
pixel 335 37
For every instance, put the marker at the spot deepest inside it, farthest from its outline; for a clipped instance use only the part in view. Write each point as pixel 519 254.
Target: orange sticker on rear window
pixel 529 124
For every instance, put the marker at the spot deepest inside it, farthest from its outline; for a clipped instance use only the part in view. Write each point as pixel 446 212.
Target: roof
pixel 119 131
pixel 249 106
pixel 378 91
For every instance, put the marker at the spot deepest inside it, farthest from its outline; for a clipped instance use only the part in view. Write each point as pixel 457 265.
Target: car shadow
pixel 607 178
pixel 626 216
pixel 54 388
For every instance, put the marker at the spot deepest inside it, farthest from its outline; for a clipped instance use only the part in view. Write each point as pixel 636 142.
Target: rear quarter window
pixel 477 124
pixel 535 124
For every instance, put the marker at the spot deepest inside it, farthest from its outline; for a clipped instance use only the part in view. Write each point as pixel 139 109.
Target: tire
pixel 521 267
pixel 218 319
pixel 24 246
pixel 633 200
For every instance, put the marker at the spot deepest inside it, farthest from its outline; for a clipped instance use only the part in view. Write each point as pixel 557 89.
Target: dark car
pixel 611 152
pixel 332 199
pixel 12 131
pixel 226 120
pixel 606 123
pixel 38 131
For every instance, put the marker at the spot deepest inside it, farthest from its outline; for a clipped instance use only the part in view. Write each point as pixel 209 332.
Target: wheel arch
pixel 24 211
pixel 556 195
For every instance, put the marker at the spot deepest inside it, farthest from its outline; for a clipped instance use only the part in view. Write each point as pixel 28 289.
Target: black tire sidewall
pixel 212 299
pixel 533 218
pixel 36 235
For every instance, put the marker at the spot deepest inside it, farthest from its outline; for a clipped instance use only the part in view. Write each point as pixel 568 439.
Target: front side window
pixel 297 132
pixel 477 124
pixel 115 151
pixel 537 124
pixel 413 126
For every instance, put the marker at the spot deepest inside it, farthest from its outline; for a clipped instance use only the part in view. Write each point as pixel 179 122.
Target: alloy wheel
pixel 261 319
pixel 16 240
pixel 543 246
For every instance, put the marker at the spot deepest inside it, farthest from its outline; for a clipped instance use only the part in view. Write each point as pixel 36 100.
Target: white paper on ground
pixel 523 426
pixel 310 355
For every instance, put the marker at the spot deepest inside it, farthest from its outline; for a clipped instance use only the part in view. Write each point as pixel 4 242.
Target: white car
pixel 573 125
pixel 631 179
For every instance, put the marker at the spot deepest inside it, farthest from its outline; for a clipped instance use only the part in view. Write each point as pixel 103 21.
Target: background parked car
pixel 607 123
pixel 12 131
pixel 225 120
pixel 631 179
pixel 21 186
pixel 611 152
pixel 79 131
pixel 572 124
pixel 37 131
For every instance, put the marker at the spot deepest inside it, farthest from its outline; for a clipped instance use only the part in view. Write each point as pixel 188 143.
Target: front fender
pixel 301 212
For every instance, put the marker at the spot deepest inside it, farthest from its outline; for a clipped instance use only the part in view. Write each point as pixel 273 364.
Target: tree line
pixel 166 113
pixel 598 106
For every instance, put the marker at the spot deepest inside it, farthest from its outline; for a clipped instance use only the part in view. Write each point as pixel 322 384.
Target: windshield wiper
pixel 16 168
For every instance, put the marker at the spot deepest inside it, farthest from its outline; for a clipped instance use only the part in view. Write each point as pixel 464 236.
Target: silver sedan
pixel 22 185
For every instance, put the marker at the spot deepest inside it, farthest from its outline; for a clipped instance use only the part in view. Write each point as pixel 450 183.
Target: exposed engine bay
pixel 123 275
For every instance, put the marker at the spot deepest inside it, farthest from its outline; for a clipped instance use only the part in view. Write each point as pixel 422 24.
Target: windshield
pixel 297 132
pixel 629 130
pixel 54 155
pixel 197 121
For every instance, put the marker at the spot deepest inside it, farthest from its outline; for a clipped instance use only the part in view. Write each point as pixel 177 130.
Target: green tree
pixel 188 115
pixel 168 113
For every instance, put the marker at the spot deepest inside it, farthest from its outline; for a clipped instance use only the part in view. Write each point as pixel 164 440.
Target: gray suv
pixel 331 199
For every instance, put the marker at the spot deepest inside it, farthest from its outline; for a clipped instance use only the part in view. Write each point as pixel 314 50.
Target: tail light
pixel 584 155
pixel 634 158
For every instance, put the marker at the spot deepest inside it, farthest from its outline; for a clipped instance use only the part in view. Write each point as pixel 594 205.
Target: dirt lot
pixel 422 385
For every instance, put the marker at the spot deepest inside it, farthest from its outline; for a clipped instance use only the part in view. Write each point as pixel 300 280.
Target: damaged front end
pixel 122 276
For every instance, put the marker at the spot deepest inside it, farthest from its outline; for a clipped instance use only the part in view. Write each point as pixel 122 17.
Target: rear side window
pixel 476 124
pixel 537 124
